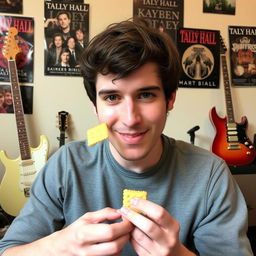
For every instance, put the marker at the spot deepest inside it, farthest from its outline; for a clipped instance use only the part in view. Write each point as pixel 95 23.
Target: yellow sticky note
pixel 97 134
pixel 129 194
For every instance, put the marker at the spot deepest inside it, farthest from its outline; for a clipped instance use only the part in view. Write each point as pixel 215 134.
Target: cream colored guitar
pixel 21 172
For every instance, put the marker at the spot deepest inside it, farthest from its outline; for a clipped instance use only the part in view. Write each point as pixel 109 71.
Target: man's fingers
pixel 101 215
pixel 154 212
pixel 98 233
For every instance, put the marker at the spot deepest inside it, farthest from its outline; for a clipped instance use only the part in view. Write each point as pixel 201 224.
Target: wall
pixel 53 94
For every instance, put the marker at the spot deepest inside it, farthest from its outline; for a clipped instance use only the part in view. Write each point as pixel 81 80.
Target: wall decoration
pixel 200 57
pixel 242 49
pixel 25 37
pixel 6 101
pixel 66 35
pixel 11 6
pixel 165 15
pixel 220 6
pixel 68 1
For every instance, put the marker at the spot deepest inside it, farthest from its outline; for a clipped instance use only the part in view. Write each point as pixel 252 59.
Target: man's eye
pixel 111 98
pixel 147 95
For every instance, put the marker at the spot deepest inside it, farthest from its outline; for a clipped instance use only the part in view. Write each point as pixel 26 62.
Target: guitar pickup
pixel 232 132
pixel 234 146
pixel 231 126
pixel 232 138
pixel 26 162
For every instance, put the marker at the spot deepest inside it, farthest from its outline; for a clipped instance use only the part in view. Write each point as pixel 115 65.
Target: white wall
pixel 53 94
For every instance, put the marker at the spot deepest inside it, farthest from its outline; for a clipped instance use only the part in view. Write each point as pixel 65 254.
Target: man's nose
pixel 131 113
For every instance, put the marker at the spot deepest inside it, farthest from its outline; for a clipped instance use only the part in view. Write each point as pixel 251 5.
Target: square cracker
pixel 97 134
pixel 129 194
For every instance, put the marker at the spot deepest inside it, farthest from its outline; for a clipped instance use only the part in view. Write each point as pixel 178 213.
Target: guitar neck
pixel 18 110
pixel 62 139
pixel 228 96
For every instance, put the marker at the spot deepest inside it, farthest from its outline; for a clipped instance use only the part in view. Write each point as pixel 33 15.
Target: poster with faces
pixel 66 30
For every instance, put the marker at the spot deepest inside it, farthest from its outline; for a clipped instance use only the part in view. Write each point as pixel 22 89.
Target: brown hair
pixel 123 48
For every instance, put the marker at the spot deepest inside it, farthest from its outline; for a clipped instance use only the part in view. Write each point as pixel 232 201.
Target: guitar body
pixel 12 196
pixel 235 153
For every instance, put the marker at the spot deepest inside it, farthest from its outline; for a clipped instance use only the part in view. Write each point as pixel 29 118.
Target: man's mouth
pixel 132 137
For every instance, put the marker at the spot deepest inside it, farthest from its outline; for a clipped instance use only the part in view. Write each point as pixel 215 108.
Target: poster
pixel 200 57
pixel 68 1
pixel 219 6
pixel 6 99
pixel 66 35
pixel 11 6
pixel 242 51
pixel 164 15
pixel 25 41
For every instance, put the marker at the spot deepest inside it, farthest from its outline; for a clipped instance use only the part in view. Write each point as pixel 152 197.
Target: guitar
pixel 21 172
pixel 63 125
pixel 230 142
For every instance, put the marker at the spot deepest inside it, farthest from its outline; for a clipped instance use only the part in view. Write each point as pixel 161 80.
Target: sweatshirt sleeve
pixel 223 229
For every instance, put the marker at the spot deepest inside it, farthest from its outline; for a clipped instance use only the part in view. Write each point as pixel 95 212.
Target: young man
pixel 2 108
pixel 194 207
pixel 63 23
pixel 8 102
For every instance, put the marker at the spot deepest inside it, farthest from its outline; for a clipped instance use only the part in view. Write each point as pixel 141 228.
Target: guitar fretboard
pixel 19 114
pixel 228 97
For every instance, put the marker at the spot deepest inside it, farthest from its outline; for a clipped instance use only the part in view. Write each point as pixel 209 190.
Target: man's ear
pixel 171 101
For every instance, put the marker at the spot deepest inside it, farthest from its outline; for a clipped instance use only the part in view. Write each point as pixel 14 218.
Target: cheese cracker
pixel 129 194
pixel 97 134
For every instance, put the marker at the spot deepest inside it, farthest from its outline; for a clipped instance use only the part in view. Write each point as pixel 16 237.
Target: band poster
pixel 165 15
pixel 6 99
pixel 242 49
pixel 25 40
pixel 219 6
pixel 200 57
pixel 68 1
pixel 11 6
pixel 66 35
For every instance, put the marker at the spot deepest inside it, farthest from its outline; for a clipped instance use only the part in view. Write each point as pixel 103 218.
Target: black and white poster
pixel 25 42
pixel 165 15
pixel 200 57
pixel 66 35
pixel 220 6
pixel 242 49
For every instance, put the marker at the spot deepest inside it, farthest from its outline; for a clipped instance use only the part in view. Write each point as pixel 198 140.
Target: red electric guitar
pixel 230 142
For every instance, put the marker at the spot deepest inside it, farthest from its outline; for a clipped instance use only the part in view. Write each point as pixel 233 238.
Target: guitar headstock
pixel 223 48
pixel 11 48
pixel 63 120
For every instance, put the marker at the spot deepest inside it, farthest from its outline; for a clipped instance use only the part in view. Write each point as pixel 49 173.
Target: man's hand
pixel 89 235
pixel 156 231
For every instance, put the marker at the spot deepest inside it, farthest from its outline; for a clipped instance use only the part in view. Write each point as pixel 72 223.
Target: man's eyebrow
pixel 149 88
pixel 143 89
pixel 104 92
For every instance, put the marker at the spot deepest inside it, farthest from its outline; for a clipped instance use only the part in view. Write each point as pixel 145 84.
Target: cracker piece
pixel 129 194
pixel 97 134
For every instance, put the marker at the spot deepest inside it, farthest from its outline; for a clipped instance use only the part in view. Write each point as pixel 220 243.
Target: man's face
pixel 65 56
pixel 1 99
pixel 134 109
pixel 63 21
pixel 8 98
pixel 71 43
pixel 79 35
pixel 58 41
